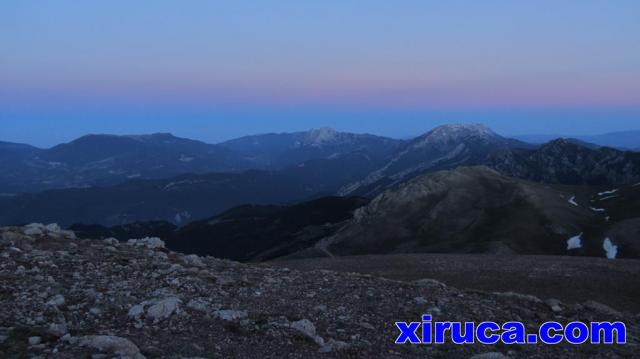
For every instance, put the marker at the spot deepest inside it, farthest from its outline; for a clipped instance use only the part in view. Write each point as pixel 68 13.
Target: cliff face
pixel 63 297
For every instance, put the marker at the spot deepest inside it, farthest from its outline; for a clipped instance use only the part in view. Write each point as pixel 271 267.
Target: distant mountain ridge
pixel 277 150
pixel 443 147
pixel 103 160
pixel 561 161
pixel 99 160
pixel 184 198
pixel 354 170
pixel 625 140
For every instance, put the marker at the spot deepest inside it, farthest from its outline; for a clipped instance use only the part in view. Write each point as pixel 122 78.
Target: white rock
pixel 110 344
pixel 68 233
pixel 149 242
pixel 57 329
pixel 420 300
pixel 198 305
pixel 306 327
pixel 193 261
pixel 56 301
pixel 554 304
pixel 136 311
pixel 35 340
pixel 230 315
pixel 111 241
pixel 53 227
pixel 34 229
pixel 163 309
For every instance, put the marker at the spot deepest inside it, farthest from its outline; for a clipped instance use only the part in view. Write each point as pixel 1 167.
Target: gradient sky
pixel 219 69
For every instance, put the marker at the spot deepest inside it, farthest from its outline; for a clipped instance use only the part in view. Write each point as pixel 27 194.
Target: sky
pixel 214 70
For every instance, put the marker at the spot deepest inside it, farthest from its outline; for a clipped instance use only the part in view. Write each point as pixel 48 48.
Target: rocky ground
pixel 574 280
pixel 62 297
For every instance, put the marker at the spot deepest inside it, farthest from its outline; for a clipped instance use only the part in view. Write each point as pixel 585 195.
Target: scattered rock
pixel 111 241
pixel 35 340
pixel 34 229
pixel 198 305
pixel 109 344
pixel 193 260
pixel 230 315
pixel 58 329
pixel 148 242
pixel 136 311
pixel 56 301
pixel 420 300
pixel 306 327
pixel 554 304
pixel 163 309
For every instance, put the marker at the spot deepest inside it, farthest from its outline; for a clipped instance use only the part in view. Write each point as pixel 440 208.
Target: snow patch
pixel 610 249
pixel 608 192
pixel 608 197
pixel 574 242
pixel 572 201
pixel 598 209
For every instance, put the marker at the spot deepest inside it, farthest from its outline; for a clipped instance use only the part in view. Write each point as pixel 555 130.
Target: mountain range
pixel 103 160
pixel 332 163
pixel 278 150
pixel 464 210
pixel 100 160
pixel 625 140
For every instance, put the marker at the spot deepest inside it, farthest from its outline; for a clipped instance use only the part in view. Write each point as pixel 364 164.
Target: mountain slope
pixel 564 161
pixel 561 161
pixel 107 159
pixel 622 139
pixel 273 151
pixel 470 210
pixel 184 198
pixel 443 147
pixel 257 233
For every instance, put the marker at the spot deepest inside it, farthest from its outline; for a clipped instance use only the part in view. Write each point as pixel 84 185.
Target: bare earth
pixel 569 279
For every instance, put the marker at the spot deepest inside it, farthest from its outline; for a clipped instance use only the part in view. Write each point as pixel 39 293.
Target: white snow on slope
pixel 608 192
pixel 572 201
pixel 598 209
pixel 574 242
pixel 608 197
pixel 610 249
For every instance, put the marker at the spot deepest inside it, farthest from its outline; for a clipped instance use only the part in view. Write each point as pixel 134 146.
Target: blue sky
pixel 218 69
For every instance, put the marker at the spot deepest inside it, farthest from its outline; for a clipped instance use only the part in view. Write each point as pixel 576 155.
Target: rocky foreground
pixel 62 297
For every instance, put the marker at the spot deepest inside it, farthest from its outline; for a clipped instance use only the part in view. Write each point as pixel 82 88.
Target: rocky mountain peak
pixel 457 133
pixel 321 135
